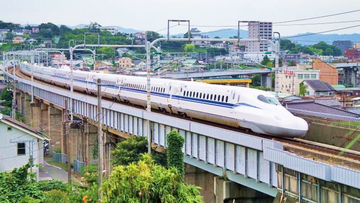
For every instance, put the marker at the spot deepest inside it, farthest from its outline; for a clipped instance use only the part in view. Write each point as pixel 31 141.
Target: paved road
pixel 48 172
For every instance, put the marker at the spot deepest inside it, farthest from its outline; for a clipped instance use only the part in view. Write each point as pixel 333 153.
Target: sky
pixel 153 14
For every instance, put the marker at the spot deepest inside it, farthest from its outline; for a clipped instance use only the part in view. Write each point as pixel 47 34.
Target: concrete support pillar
pixel 44 118
pixel 36 114
pixel 27 109
pixel 266 80
pixel 215 189
pixel 92 137
pixel 202 179
pixel 55 128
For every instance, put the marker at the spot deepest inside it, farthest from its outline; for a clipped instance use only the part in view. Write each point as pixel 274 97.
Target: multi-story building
pixel 35 30
pixel 112 30
pixel 352 54
pixel 196 34
pixel 262 30
pixel 343 45
pixel 125 62
pixel 328 73
pixel 290 79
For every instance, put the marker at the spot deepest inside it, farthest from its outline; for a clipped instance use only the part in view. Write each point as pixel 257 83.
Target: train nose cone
pixel 299 127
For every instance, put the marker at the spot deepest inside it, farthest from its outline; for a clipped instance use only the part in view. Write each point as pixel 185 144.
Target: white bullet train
pixel 240 107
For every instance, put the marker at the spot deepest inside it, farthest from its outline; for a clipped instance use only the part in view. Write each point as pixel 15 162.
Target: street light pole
pixel 277 52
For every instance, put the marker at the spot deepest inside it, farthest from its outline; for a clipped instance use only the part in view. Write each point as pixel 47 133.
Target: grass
pixel 345 123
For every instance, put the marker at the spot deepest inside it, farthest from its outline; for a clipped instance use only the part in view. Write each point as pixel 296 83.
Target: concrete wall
pixel 337 136
pixel 215 189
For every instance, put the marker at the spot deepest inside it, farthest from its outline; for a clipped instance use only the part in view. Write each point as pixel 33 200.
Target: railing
pixel 79 166
pixel 60 158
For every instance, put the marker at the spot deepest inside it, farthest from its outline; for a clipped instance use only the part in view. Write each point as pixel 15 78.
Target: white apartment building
pixel 290 79
pixel 112 30
pixel 262 30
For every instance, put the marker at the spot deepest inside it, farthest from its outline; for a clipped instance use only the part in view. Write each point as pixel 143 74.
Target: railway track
pixel 309 149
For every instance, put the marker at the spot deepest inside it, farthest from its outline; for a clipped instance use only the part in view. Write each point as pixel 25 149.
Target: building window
pixel 307 76
pixel 21 149
pixel 300 76
pixel 313 76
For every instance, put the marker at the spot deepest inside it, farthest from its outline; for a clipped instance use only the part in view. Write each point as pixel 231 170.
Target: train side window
pixel 207 96
pixel 226 98
pixel 218 97
pixel 222 99
pixel 233 96
pixel 200 96
pixel 211 96
pixel 197 94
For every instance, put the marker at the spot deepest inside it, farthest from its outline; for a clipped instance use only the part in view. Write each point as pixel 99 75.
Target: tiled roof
pixel 321 108
pixel 319 86
pixel 24 126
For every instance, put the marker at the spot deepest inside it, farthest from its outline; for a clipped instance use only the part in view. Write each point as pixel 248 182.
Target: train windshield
pixel 268 100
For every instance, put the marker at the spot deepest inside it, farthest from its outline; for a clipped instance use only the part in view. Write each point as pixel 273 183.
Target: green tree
pixel 186 35
pixel 217 37
pixel 151 36
pixel 256 80
pixel 108 52
pixel 147 182
pixel 302 89
pixel 189 48
pixel 328 52
pixel 129 150
pixel 9 36
pixel 175 156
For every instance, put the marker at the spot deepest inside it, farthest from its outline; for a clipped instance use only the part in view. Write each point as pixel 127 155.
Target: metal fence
pixel 79 166
pixel 60 158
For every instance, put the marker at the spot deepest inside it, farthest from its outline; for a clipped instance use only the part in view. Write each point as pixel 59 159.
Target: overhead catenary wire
pixel 317 17
pixel 321 32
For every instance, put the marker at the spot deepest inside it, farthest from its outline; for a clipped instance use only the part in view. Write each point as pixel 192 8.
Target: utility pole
pixel 13 112
pixel 100 138
pixel 148 100
pixel 66 129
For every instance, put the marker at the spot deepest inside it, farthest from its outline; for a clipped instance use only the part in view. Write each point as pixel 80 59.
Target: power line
pixel 315 33
pixel 317 17
pixel 324 23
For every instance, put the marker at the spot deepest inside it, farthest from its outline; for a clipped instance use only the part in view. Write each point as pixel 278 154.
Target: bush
pixel 56 196
pixel 48 185
pixel 175 156
pixel 91 176
pixel 129 151
pixel 28 199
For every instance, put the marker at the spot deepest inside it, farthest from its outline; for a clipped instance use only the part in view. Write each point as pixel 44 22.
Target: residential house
pixel 35 30
pixel 315 108
pixel 32 41
pixel 18 39
pixel 4 31
pixel 290 79
pixel 139 64
pixel 125 62
pixel 2 37
pixel 102 65
pixel 25 31
pixel 18 143
pixel 318 88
